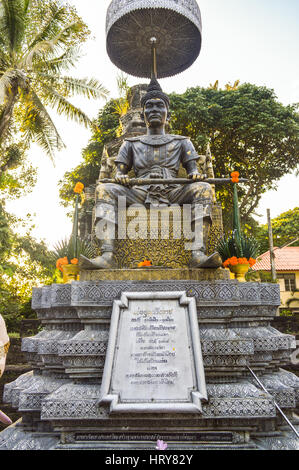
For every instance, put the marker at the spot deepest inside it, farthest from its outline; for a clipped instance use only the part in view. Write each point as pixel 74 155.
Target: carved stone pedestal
pixel 60 399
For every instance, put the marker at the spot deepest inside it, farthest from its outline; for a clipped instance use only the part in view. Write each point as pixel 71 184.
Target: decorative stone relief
pixel 72 401
pixel 41 386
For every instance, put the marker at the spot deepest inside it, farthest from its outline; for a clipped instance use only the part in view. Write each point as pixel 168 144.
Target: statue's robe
pixel 155 155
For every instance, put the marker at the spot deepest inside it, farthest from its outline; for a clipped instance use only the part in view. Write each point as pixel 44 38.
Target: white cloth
pixel 4 339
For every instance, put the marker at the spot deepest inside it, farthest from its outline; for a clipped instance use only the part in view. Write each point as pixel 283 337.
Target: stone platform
pixel 155 273
pixel 59 399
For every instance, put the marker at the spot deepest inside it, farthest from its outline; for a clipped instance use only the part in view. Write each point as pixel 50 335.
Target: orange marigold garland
pixel 79 188
pixel 235 176
pixel 145 263
pixel 61 262
pixel 74 261
pixel 233 261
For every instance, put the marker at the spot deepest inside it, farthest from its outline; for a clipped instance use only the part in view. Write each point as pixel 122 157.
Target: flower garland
pixel 78 188
pixel 234 261
pixel 235 177
pixel 64 261
pixel 145 263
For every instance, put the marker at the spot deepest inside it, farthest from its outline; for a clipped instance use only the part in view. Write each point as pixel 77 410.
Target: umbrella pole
pixel 154 58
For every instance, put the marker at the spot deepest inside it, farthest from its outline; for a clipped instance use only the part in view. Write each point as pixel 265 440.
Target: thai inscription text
pixel 152 352
pixel 154 331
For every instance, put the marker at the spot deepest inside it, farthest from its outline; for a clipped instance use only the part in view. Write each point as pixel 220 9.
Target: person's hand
pixel 197 176
pixel 122 179
pixel 5 419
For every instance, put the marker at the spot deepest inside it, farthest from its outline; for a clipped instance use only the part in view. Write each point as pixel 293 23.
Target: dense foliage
pixel 88 171
pixel 249 131
pixel 24 263
pixel 39 45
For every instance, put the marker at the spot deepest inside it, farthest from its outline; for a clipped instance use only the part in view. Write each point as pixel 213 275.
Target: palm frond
pixel 40 49
pixel 26 5
pixel 48 47
pixel 11 77
pixel 40 132
pixel 5 59
pixel 65 247
pixel 89 88
pixel 38 126
pixel 63 106
pixel 50 26
pixel 12 24
pixel 6 83
pixel 61 249
pixel 42 110
pixel 239 245
pixel 64 34
pixel 65 61
pixel 61 36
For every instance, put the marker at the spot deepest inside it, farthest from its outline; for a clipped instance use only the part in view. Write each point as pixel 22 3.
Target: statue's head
pixel 155 105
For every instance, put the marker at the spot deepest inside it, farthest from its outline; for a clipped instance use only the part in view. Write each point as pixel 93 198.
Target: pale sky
pixel 254 41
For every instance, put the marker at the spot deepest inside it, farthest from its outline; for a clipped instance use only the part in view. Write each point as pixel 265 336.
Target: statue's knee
pixel 108 191
pixel 200 189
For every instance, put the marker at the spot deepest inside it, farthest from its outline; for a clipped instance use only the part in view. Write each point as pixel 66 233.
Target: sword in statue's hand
pixel 148 181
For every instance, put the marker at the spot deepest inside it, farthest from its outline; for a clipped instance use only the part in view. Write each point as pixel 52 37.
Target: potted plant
pixel 238 253
pixel 237 250
pixel 66 254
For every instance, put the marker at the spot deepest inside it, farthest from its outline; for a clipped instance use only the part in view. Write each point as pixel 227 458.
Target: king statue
pixel 154 155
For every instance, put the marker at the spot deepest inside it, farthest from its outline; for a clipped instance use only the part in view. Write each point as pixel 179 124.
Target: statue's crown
pixel 154 90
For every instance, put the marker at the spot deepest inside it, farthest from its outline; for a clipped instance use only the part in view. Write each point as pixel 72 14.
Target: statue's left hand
pixel 197 176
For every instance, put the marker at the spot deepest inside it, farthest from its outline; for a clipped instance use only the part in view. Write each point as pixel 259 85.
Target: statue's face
pixel 155 112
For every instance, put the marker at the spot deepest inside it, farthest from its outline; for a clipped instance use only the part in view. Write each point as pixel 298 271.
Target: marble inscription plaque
pixel 154 360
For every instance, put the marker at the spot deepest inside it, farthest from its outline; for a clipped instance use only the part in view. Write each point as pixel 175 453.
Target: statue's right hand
pixel 122 179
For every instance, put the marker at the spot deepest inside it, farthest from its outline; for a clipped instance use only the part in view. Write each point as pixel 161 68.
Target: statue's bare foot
pixel 106 261
pixel 200 260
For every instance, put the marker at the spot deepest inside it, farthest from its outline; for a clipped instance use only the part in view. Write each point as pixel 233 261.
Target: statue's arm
pixel 121 175
pixel 190 159
pixel 124 162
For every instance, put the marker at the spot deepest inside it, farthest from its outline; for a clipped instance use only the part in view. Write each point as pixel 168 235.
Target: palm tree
pixel 38 45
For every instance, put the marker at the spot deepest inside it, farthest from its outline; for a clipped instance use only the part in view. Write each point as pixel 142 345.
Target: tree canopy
pixel 285 229
pixel 88 171
pixel 39 45
pixel 248 130
pixel 24 263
